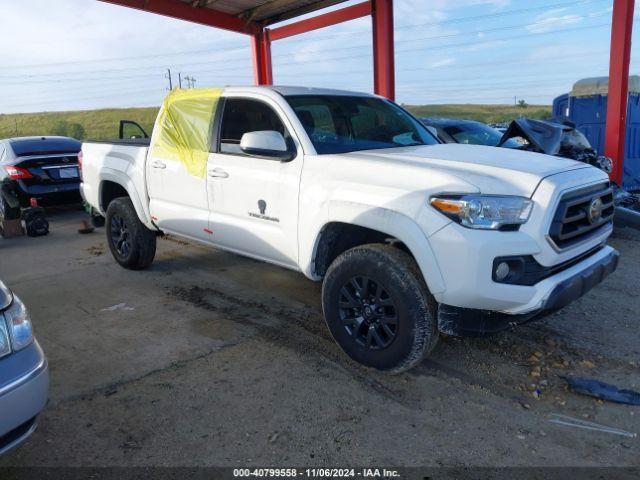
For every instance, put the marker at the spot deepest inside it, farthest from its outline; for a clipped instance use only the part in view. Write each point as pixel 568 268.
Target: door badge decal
pixel 262 208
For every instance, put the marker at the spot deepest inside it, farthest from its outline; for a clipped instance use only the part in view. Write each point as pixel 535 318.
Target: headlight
pixel 18 324
pixel 5 296
pixel 604 163
pixel 486 212
pixel 5 347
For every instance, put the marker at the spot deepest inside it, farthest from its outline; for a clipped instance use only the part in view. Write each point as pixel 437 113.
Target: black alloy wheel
pixel 368 313
pixel 131 243
pixel 120 235
pixel 378 307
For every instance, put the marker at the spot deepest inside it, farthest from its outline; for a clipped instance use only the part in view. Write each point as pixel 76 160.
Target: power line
pixel 507 60
pixel 446 47
pixel 472 18
pixel 318 60
pixel 100 97
pixel 235 49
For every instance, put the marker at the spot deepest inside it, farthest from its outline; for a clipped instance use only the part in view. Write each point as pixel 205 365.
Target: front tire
pixel 131 243
pixel 378 308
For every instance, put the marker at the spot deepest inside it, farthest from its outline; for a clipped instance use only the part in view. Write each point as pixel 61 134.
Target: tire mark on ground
pixel 297 334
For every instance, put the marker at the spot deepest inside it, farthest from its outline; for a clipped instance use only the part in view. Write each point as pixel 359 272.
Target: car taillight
pixel 80 157
pixel 17 173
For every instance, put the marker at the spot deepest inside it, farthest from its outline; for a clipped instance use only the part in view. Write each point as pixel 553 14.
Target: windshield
pixel 478 134
pixel 341 124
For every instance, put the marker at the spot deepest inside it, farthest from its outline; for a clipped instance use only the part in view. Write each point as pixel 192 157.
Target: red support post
pixel 383 56
pixel 261 54
pixel 618 98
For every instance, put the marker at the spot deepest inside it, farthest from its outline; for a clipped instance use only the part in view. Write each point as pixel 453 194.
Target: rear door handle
pixel 158 164
pixel 218 173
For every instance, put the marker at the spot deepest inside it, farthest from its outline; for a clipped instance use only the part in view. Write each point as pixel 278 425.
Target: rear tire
pixel 6 211
pixel 131 243
pixel 379 309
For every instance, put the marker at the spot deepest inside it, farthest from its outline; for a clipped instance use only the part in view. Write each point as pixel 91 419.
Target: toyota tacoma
pixel 409 236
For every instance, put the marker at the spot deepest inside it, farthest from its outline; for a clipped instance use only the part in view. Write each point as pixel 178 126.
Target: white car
pixel 409 236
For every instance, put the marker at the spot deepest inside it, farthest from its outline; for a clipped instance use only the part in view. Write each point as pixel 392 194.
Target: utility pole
pixel 180 79
pixel 191 82
pixel 168 75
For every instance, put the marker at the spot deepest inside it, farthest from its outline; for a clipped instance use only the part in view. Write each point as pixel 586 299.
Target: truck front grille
pixel 582 214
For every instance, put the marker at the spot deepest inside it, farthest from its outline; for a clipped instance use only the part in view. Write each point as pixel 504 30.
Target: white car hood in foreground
pixel 492 170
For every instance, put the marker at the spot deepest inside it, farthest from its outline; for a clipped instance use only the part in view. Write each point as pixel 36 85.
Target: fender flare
pixel 394 224
pixel 119 178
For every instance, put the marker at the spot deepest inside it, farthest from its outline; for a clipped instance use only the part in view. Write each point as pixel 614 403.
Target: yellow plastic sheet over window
pixel 184 128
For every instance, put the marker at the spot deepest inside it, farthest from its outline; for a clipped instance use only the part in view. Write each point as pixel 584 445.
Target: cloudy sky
pixel 85 54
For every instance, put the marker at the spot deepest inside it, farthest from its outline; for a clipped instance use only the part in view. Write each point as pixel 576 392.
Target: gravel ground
pixel 210 359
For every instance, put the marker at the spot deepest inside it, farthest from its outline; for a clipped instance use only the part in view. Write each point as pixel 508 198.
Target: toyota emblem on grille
pixel 594 214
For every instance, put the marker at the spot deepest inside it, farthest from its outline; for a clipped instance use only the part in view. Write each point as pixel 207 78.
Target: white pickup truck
pixel 410 237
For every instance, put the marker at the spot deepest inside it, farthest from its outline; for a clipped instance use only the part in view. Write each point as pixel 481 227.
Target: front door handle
pixel 158 164
pixel 218 173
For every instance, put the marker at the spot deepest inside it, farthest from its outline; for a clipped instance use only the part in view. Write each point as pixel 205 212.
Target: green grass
pixel 481 113
pixel 97 124
pixel 103 124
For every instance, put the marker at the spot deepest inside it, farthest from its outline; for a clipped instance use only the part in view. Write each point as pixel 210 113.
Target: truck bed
pixel 124 160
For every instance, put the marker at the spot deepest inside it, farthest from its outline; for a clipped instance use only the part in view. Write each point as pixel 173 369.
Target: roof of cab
pixel 286 90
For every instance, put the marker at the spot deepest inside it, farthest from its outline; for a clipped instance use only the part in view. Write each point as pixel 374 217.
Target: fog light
pixel 502 271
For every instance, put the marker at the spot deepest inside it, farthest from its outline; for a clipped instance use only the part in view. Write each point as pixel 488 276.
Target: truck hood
pixel 491 170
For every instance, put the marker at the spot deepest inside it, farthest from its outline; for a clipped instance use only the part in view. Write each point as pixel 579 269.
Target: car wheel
pixel 132 244
pixel 378 308
pixel 6 211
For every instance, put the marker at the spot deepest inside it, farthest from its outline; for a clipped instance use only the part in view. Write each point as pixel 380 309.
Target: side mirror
pixel 266 143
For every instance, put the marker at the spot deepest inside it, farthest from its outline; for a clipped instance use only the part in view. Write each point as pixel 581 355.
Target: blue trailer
pixel 586 107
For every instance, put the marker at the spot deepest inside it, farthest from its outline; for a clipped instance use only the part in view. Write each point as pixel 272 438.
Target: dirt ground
pixel 210 359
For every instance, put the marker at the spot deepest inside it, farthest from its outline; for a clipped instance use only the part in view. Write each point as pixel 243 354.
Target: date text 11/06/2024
pixel 316 472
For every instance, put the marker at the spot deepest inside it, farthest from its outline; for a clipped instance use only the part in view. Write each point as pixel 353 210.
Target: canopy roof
pixel 263 11
pixel 245 16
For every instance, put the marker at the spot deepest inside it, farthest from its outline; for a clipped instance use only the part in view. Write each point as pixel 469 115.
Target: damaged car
pixel 565 140
pixel 470 132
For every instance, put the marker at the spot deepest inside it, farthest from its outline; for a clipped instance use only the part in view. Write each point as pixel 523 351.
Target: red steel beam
pixel 261 55
pixel 321 21
pixel 184 11
pixel 618 98
pixel 383 56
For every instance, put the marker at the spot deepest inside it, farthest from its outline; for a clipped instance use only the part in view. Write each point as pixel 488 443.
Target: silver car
pixel 24 375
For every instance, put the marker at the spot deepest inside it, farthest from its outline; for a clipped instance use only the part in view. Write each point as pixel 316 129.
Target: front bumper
pixel 460 321
pixel 22 397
